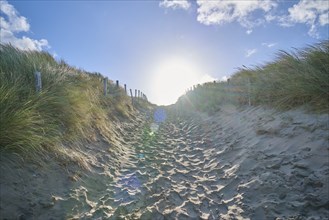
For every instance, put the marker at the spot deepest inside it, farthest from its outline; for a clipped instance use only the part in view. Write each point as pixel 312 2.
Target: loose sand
pixel 237 164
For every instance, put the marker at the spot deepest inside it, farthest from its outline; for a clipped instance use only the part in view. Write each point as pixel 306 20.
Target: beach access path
pixel 250 163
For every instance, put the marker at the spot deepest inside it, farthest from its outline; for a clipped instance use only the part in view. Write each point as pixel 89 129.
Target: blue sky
pixel 163 47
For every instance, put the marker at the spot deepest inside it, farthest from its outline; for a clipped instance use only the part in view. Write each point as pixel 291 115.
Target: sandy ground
pixel 249 163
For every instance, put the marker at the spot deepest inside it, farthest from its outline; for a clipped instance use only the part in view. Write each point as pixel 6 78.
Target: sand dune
pixel 237 164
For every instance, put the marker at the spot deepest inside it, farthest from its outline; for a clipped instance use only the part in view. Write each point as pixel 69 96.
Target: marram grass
pixel 70 105
pixel 293 79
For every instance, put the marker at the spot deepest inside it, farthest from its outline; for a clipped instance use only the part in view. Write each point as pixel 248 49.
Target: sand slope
pixel 237 164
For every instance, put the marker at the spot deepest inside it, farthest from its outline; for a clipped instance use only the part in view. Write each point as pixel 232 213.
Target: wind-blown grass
pixel 293 79
pixel 70 105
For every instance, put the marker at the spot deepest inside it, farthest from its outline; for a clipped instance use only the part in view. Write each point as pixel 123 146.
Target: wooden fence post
pixel 117 83
pixel 135 93
pixel 105 86
pixel 125 88
pixel 139 93
pixel 132 97
pixel 38 83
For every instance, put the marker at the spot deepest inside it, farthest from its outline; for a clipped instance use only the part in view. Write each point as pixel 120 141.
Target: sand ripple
pixel 201 167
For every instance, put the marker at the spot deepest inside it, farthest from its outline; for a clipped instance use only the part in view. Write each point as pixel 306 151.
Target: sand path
pixel 236 165
pixel 246 164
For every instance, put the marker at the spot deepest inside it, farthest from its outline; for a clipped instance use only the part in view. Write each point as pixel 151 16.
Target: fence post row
pixel 38 87
pixel 38 83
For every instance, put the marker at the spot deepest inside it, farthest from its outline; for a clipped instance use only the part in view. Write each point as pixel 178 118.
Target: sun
pixel 171 78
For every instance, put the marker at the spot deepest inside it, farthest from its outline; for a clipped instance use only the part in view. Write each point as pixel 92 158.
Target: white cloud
pixel 252 13
pixel 249 31
pixel 324 19
pixel 313 13
pixel 55 55
pixel 175 4
pixel 224 78
pixel 269 45
pixel 228 11
pixel 13 24
pixel 250 52
pixel 306 11
pixel 206 78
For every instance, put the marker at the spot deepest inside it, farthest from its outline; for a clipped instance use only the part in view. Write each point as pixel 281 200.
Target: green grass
pixel 70 106
pixel 293 79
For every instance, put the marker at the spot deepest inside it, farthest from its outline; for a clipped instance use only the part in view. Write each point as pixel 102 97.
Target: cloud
pixel 269 45
pixel 250 52
pixel 206 78
pixel 307 11
pixel 15 23
pixel 252 13
pixel 55 55
pixel 249 31
pixel 12 23
pixel 227 11
pixel 313 13
pixel 175 4
pixel 324 19
pixel 224 78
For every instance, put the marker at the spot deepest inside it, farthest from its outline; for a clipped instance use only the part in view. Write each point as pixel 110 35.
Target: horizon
pixel 163 47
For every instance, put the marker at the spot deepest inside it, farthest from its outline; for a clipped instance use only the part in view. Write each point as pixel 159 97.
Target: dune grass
pixel 70 105
pixel 293 79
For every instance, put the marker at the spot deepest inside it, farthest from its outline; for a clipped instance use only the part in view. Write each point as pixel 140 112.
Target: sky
pixel 164 47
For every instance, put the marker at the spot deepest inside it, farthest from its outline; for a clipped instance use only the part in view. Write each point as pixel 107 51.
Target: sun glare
pixel 172 77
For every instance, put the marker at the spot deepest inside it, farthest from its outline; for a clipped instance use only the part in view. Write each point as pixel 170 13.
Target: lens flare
pixel 160 115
